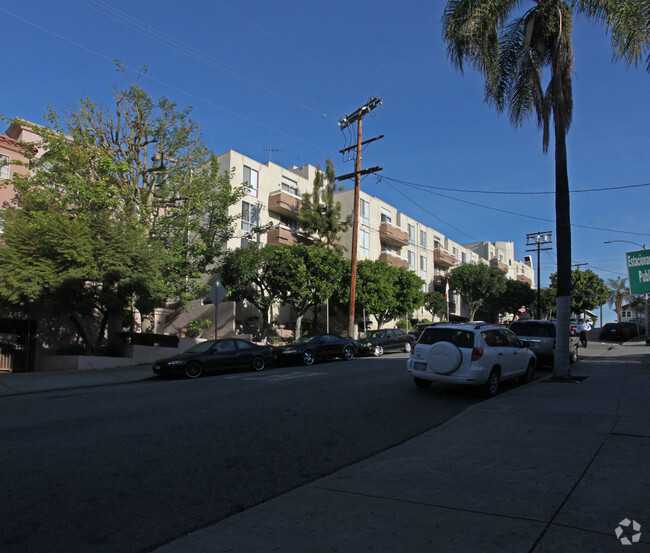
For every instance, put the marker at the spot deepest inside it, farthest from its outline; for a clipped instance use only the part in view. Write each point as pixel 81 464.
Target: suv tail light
pixel 477 353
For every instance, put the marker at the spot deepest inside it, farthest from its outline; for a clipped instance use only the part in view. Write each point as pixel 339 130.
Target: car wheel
pixel 379 351
pixel 258 363
pixel 193 370
pixel 407 347
pixel 491 387
pixel 421 383
pixel 529 375
pixel 308 357
pixel 573 357
pixel 348 353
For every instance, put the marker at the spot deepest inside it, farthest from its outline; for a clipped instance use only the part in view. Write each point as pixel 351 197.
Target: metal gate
pixel 17 345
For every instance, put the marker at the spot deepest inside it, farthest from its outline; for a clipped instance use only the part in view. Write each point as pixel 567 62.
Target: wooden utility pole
pixel 357 117
pixel 537 239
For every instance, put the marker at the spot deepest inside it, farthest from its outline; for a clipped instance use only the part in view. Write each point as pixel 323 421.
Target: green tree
pixel 515 295
pixel 436 303
pixel 618 293
pixel 511 50
pixel 589 290
pixel 548 297
pixel 245 274
pixel 304 277
pixel 320 213
pixel 387 292
pixel 477 284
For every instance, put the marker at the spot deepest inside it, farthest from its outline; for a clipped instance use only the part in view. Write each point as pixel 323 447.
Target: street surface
pixel 126 468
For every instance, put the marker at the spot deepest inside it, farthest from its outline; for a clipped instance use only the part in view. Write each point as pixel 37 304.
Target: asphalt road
pixel 129 467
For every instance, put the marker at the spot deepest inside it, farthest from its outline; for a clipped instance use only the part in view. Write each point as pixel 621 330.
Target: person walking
pixel 583 328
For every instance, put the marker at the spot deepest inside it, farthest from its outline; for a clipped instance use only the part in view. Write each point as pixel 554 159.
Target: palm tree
pixel 617 294
pixel 510 49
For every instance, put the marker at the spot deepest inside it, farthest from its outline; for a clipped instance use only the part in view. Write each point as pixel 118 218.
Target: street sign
pixel 638 269
pixel 217 294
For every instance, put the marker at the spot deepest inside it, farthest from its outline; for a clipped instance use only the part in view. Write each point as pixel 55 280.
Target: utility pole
pixel 537 239
pixel 346 121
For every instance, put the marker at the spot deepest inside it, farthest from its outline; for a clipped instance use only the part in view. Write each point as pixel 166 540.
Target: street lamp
pixel 642 246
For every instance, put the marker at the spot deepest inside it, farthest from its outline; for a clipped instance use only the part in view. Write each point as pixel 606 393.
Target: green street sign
pixel 638 269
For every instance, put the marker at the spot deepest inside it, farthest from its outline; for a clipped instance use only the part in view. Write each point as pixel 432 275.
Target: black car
pixel 620 331
pixel 309 349
pixel 378 342
pixel 215 355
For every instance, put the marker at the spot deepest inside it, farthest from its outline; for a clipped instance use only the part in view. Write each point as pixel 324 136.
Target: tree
pixel 477 285
pixel 320 213
pixel 436 303
pixel 245 274
pixel 515 295
pixel 589 290
pixel 511 57
pixel 305 277
pixel 387 292
pixel 617 294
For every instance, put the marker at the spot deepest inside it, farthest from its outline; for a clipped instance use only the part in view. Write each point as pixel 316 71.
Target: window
pixel 225 346
pixel 464 257
pixel 423 239
pixel 249 216
pixel 456 254
pixel 423 267
pixel 412 266
pixel 364 242
pixel 411 235
pixel 251 181
pixel 290 186
pixel 364 212
pixel 4 169
pixel 386 216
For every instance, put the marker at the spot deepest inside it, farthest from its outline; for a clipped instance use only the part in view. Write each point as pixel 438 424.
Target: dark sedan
pixel 619 331
pixel 309 349
pixel 216 355
pixel 378 342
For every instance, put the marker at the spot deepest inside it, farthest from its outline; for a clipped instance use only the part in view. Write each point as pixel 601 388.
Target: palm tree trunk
pixel 563 233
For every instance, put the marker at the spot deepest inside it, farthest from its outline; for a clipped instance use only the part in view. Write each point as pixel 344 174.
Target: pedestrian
pixel 583 328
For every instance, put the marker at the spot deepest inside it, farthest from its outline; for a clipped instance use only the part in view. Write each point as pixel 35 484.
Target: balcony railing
pixel 524 278
pixel 394 259
pixel 496 264
pixel 394 235
pixel 281 235
pixel 443 258
pixel 284 203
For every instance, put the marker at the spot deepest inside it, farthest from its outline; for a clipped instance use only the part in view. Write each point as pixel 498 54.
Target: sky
pixel 272 80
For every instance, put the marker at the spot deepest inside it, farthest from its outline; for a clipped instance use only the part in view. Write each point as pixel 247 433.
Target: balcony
pixel 394 259
pixel 390 234
pixel 496 264
pixel 524 278
pixel 284 203
pixel 281 235
pixel 443 258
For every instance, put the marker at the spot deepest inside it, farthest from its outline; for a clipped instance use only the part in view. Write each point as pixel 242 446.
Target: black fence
pixel 17 345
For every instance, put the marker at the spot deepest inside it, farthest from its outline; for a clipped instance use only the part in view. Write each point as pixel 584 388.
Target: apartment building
pixel 501 255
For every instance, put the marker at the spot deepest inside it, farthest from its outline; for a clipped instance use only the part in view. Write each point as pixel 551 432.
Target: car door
pixel 497 350
pixel 518 354
pixel 392 340
pixel 223 355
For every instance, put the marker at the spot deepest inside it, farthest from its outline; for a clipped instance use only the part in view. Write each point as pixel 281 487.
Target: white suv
pixel 470 353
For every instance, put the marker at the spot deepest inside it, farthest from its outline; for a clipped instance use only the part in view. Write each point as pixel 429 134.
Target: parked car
pixel 540 338
pixel 216 355
pixel 378 342
pixel 418 328
pixel 471 354
pixel 620 331
pixel 309 349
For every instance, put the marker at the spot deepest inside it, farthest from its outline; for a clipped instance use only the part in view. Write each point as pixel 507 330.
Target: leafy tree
pixel 617 294
pixel 436 303
pixel 516 294
pixel 245 274
pixel 477 285
pixel 320 213
pixel 387 292
pixel 511 56
pixel 548 297
pixel 589 290
pixel 305 277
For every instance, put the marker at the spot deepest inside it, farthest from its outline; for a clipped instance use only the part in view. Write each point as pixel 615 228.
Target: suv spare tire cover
pixel 444 357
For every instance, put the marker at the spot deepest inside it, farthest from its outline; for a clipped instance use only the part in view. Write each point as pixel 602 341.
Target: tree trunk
pixel 563 236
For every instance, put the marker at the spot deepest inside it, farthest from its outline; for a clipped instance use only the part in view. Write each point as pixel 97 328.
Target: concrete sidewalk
pixel 545 467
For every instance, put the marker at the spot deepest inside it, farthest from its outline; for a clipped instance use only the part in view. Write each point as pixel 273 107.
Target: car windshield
pixel 305 339
pixel 541 330
pixel 460 338
pixel 201 347
pixel 372 334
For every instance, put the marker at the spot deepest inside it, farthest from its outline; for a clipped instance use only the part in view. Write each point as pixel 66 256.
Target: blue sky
pixel 280 75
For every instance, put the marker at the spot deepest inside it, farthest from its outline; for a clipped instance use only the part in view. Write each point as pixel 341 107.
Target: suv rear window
pixel 533 329
pixel 460 338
